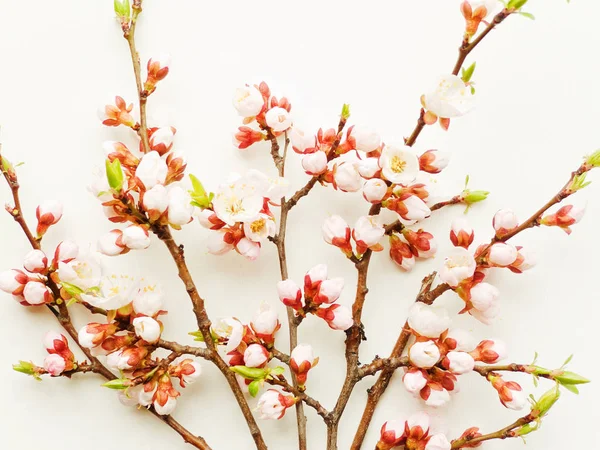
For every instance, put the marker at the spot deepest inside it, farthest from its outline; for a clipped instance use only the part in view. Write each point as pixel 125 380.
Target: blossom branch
pixel 504 433
pixel 300 395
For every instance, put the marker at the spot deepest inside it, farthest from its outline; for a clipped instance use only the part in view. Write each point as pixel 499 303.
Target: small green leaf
pixel 547 400
pixel 199 196
pixel 73 290
pixel 277 371
pixel 527 15
pixel 593 160
pixel 467 73
pixel 250 373
pixel 571 388
pixel 516 4
pixel 197 335
pixel 568 360
pixel 114 174
pixel 254 387
pixel 345 111
pixel 471 197
pixel 122 9
pixel 117 384
pixel 578 182
pixel 26 367
pixel 570 378
pixel 529 428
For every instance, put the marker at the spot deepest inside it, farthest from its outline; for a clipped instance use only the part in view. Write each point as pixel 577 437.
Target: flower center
pixel 258 225
pixel 398 164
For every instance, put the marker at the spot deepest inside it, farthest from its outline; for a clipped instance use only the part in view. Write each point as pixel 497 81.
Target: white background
pixel 537 114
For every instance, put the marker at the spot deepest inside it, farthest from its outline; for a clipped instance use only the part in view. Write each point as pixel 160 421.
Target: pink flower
pixel 424 355
pixel 346 176
pixel 563 218
pixel 511 394
pixel 116 114
pixel 265 323
pixel 301 361
pixel 461 233
pixel 435 395
pixel 458 363
pixel 218 244
pixel 158 69
pixel 246 136
pixel 35 261
pixel 301 142
pixel 290 294
pixel 415 209
pixel 256 356
pixel 393 433
pixel 338 317
pixel 457 267
pixel 526 259
pixel 364 138
pixel 414 381
pixel 13 281
pixel 248 101
pixel 417 426
pixel 374 190
pixel 48 214
pixel 135 237
pixel 54 364
pixel 401 253
pixel 367 233
pixel 161 139
pixel 490 351
pixel 111 244
pixel 278 119
pixel 247 248
pixel 329 291
pixel 433 161
pixel 421 243
pixel 272 404
pixel 65 252
pixel 55 342
pixel 337 232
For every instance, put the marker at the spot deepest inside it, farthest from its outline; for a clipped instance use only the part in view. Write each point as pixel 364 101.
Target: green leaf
pixel 114 174
pixel 73 290
pixel 547 400
pixel 527 15
pixel 467 73
pixel 254 387
pixel 570 378
pixel 277 371
pixel 26 367
pixel 199 196
pixel 345 111
pixel 578 182
pixel 122 9
pixel 117 384
pixel 516 4
pixel 529 428
pixel 250 373
pixel 571 388
pixel 197 335
pixel 593 160
pixel 471 197
pixel 568 360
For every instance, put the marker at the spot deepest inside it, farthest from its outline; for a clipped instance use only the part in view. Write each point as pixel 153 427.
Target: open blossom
pixel 230 329
pixel 428 320
pixel 248 249
pixel 490 351
pixel 265 323
pixel 329 291
pixel 364 138
pixel 461 233
pixel 13 281
pixel 314 163
pixel 458 363
pixel 502 254
pixel 135 237
pixel 451 98
pixel 302 142
pixel 147 329
pixel 565 217
pixel 399 164
pixel 278 119
pixel 48 214
pixel 36 293
pixel 401 253
pixel 148 300
pixel 248 101
pixel 374 190
pixel 54 364
pixel 337 232
pixel 272 404
pixel 116 291
pixel 290 294
pixel 117 113
pixel 346 176
pixel 367 233
pixel 424 354
pixel 239 201
pixel 260 229
pixel 392 434
pixel 511 394
pixel 414 381
pixel 35 261
pixel 152 170
pixel 457 267
pixel 433 161
pixel 337 316
pixel 302 360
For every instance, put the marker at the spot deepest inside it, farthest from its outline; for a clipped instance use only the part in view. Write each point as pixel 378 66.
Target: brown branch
pixel 504 433
pixel 300 395
pixel 129 35
pixel 380 364
pixel 185 349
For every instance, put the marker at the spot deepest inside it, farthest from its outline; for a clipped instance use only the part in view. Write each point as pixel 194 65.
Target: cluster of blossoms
pixel 413 433
pixel 319 298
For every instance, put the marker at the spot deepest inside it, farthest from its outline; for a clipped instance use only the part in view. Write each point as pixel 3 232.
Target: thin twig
pixel 504 433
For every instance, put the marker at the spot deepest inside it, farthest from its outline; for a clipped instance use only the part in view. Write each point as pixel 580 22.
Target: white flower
pixel 505 220
pixel 136 237
pixel 346 176
pixel 255 355
pixel 414 381
pixel 278 187
pixel 147 329
pixel 260 228
pixel 271 405
pixel 368 167
pixel 54 364
pixel 301 142
pixel 180 208
pixel 156 199
pixel 487 317
pixel 265 321
pixel 36 293
pixel 329 290
pixel 239 201
pixel 85 338
pixel 392 432
pixel 464 340
pixel 35 261
pixel 278 119
pixel 167 408
pixel 49 212
pixel 288 291
pixel 148 300
pixel 189 378
pixel 110 244
pixel 145 397
pixel 84 272
pixel 66 251
pixel 452 98
pixel 424 354
pixel 303 353
pixel 417 209
pixel 428 320
pixel 335 227
pixel 459 362
pixel 248 101
pixel 437 398
pixel 117 361
pixel 152 170
pixel 13 281
pixel 116 291
pixel 457 267
pixel 374 190
pixel 368 231
pixel 484 296
pixel 438 442
pixel 314 163
pixel 130 397
pixel 502 254
pixel 216 244
pixel 247 248
pixel 366 138
pixel 399 164
pixel 231 329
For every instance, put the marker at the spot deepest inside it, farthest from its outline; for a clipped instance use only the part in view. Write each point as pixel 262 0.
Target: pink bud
pixel 401 253
pixel 365 138
pixel 346 177
pixel 393 433
pixel 117 113
pixel 248 248
pixel 422 243
pixel 414 381
pixel 565 217
pixel 416 209
pixel 337 232
pixel 526 259
pixel 48 214
pixel 511 394
pixel 458 363
pixel 111 244
pixel 314 163
pixel 374 190
pixel 490 351
pixel 158 69
pixel 329 291
pixel 435 395
pixel 135 237
pixel 36 293
pixel 502 254
pixel 156 201
pixel 338 317
pixel 301 361
pixel 147 329
pixel 35 261
pixel 367 233
pixel 417 426
pixel 54 364
pixel 461 233
pixel 13 281
pixel 424 355
pixel 256 356
pixel 65 252
pixel 505 221
pixel 246 136
pixel 369 168
pixel 278 119
pixel 272 405
pixel 216 244
pixel 433 161
pixel 55 342
pixel 161 139
pixel 301 142
pixel 290 294
pixel 438 442
pixel 265 323
pixel 484 296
